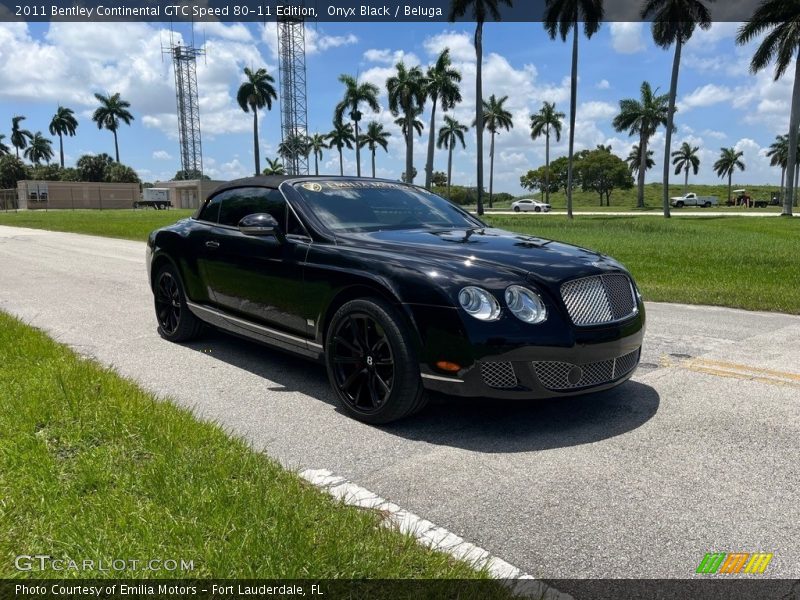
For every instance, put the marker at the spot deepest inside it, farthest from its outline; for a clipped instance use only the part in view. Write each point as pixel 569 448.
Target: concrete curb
pixel 431 535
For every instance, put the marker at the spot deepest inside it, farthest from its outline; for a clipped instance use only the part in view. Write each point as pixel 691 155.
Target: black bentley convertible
pixel 398 291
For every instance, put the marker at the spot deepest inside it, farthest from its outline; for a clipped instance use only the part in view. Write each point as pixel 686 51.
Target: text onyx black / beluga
pixel 397 291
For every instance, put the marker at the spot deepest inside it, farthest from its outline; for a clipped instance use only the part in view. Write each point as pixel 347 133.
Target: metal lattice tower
pixel 184 60
pixel 292 70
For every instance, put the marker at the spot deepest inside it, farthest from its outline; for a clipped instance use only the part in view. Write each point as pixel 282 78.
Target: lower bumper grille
pixel 560 376
pixel 499 375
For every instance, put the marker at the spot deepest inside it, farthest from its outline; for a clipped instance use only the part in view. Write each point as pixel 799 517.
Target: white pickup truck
pixel 692 199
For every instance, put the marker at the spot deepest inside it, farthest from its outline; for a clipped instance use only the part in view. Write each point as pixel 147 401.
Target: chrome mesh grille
pixel 599 299
pixel 499 375
pixel 555 375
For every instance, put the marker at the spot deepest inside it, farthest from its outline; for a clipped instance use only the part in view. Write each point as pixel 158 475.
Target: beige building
pixel 190 193
pixel 75 194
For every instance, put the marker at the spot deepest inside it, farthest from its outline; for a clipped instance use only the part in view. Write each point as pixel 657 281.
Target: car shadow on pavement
pixel 478 424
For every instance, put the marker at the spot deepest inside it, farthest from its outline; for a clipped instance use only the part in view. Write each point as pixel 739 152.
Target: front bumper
pixel 543 371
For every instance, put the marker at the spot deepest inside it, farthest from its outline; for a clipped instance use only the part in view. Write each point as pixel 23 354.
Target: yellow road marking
pixel 736 371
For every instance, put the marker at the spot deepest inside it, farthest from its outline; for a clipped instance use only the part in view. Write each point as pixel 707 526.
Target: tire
pixel 679 205
pixel 537 209
pixel 371 363
pixel 175 322
pixel 707 205
pixel 516 209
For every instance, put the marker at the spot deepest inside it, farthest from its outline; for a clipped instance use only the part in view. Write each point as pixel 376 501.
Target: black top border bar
pixel 365 11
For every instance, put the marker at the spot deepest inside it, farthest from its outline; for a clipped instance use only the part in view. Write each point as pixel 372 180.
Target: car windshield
pixel 352 206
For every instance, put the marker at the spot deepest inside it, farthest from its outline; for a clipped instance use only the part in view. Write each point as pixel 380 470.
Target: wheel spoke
pixel 346 344
pixel 352 378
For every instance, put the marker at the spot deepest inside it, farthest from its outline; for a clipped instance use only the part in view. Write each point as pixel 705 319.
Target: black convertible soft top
pixel 273 181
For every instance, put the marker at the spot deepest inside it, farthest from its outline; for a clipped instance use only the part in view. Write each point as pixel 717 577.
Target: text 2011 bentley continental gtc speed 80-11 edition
pixel 398 291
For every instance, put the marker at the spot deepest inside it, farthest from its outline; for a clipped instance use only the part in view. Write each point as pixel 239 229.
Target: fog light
pixel 448 366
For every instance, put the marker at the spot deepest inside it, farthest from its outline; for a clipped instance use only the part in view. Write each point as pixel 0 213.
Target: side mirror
pixel 259 224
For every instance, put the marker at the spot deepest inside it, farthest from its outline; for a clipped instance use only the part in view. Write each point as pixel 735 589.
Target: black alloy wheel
pixel 175 322
pixel 363 362
pixel 371 362
pixel 516 209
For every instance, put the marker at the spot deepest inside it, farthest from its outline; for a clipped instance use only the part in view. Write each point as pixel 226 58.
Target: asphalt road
pixel 675 212
pixel 698 452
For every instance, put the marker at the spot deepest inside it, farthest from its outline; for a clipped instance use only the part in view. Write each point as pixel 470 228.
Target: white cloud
pixel 459 43
pixel 597 110
pixel 706 95
pixel 603 84
pixel 236 32
pixel 162 155
pixel 626 38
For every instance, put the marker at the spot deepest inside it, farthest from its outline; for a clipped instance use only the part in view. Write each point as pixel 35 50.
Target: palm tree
pixel 634 160
pixel 683 159
pixel 63 123
pixel 19 136
pixel 495 117
pixel 642 116
pixel 3 148
pixel 442 85
pixel 340 136
pixel 316 144
pixel 39 149
pixel 673 22
pixel 407 95
pixel 256 92
pixel 355 94
pixel 561 17
pixel 112 110
pixel 778 154
pixel 778 19
pixel 451 133
pixel 416 124
pixel 479 9
pixel 274 167
pixel 541 123
pixel 729 161
pixel 376 136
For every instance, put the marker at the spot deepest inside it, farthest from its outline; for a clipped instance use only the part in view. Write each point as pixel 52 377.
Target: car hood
pixel 537 258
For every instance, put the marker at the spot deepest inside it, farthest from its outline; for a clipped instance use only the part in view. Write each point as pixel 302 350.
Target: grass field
pixel 740 262
pixel 92 467
pixel 725 261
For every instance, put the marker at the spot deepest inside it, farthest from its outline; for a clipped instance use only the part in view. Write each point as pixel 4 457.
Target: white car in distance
pixel 529 205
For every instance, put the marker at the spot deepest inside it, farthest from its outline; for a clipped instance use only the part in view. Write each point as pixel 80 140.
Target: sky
pixel 719 102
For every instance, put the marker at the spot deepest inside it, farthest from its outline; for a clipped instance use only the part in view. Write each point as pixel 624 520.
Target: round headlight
pixel 479 303
pixel 525 304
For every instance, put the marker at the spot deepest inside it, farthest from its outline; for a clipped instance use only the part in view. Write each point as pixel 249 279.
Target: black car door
pixel 257 278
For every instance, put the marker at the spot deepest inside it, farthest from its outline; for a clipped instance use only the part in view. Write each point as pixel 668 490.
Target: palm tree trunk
pixel 642 167
pixel 573 101
pixel 316 163
pixel 547 164
pixel 730 178
pixel 783 179
pixel 685 179
pixel 358 151
pixel 449 167
pixel 491 169
pixel 796 181
pixel 61 148
pixel 791 163
pixel 373 163
pixel 479 111
pixel 341 162
pixel 431 138
pixel 673 91
pixel 255 141
pixel 116 145
pixel 409 147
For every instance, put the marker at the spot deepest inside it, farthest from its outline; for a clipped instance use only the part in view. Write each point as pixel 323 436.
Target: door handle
pixel 212 244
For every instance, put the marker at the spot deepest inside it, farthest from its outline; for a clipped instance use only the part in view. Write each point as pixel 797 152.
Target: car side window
pixel 293 224
pixel 210 212
pixel 240 202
